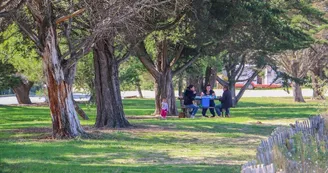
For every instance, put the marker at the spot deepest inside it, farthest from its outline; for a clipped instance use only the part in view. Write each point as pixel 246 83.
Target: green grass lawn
pixel 152 145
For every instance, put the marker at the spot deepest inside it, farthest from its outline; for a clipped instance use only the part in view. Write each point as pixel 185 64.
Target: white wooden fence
pixel 313 128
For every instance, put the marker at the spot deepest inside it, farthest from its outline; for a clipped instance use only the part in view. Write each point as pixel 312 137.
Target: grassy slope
pixel 173 145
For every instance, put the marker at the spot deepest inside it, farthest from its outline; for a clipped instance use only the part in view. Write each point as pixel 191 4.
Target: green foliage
pixel 84 79
pixel 7 76
pixel 131 74
pixel 19 51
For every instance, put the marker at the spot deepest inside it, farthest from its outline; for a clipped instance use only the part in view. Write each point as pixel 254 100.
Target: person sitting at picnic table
pixel 226 102
pixel 188 98
pixel 209 92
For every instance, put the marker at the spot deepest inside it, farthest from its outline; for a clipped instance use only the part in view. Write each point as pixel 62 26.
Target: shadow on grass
pixel 117 151
pixel 120 168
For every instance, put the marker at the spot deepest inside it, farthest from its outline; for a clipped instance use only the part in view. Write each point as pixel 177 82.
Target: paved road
pixel 150 94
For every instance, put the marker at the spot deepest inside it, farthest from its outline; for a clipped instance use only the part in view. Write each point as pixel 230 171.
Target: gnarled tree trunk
pixel 210 76
pixel 164 89
pixel 295 71
pixel 162 72
pixel 22 92
pixel 297 92
pixel 232 89
pixel 317 86
pixel 64 117
pixel 108 97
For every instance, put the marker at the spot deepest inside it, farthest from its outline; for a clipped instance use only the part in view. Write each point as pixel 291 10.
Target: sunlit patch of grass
pixel 153 145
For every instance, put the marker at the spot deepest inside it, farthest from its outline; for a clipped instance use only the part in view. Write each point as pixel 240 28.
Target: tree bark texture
pixel 180 85
pixel 317 85
pixel 210 76
pixel 162 74
pixel 65 121
pixel 164 89
pixel 139 90
pixel 108 97
pixel 22 92
pixel 295 71
pixel 64 117
pixel 297 92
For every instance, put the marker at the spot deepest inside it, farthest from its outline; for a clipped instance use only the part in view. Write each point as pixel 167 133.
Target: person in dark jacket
pixel 226 102
pixel 209 92
pixel 188 98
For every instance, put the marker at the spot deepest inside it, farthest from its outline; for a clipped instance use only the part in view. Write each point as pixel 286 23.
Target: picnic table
pixel 201 101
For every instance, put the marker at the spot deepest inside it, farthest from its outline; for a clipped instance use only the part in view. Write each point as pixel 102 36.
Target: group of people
pixel 190 95
pixel 225 99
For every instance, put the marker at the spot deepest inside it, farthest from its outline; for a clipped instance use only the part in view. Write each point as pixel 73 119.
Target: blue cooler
pixel 206 101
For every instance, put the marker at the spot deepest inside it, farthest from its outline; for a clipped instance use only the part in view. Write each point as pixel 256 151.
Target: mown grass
pixel 151 145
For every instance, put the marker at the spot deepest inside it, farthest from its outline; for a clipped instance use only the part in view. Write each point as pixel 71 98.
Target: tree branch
pixel 177 56
pixel 79 52
pixel 241 71
pixel 124 58
pixel 8 12
pixel 145 59
pixel 240 67
pixel 249 81
pixel 221 81
pixel 28 32
pixel 5 5
pixel 4 14
pixel 169 25
pixel 181 69
pixel 63 18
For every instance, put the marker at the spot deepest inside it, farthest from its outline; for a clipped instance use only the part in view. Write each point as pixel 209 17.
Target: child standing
pixel 165 107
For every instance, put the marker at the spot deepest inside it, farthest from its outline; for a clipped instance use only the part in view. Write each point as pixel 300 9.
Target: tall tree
pixel 235 65
pixel 163 69
pixel 266 29
pixel 124 24
pixel 58 69
pixel 296 64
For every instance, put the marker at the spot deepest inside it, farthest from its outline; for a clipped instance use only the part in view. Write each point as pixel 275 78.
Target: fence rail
pixel 312 128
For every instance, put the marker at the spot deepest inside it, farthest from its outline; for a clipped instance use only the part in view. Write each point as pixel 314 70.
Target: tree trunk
pixel 210 76
pixel 297 93
pixel 232 89
pixel 317 86
pixel 164 89
pixel 108 96
pixel 207 76
pixel 80 111
pixel 162 72
pixel 23 92
pixel 244 88
pixel 180 85
pixel 214 71
pixel 139 90
pixel 91 86
pixel 65 121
